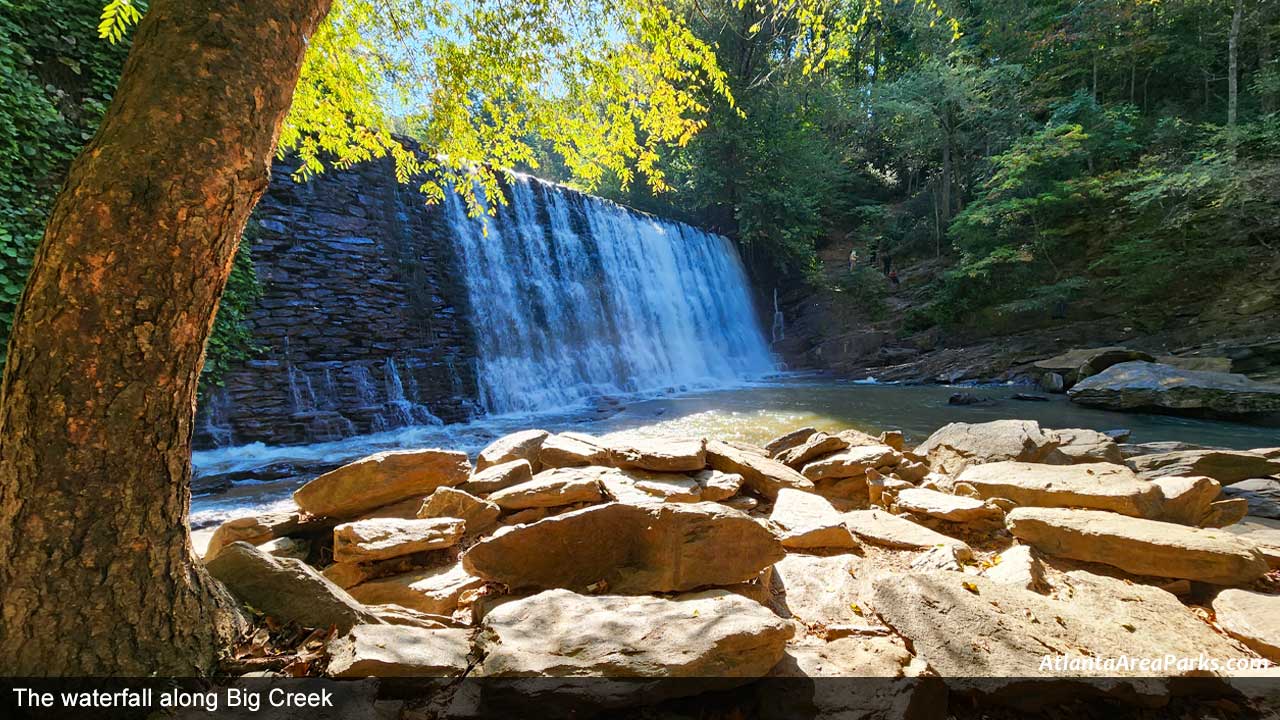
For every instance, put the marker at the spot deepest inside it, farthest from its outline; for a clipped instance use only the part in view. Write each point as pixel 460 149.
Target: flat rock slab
pixel 382 479
pixel 383 538
pixel 956 446
pixel 881 528
pixel 523 445
pixel 1253 618
pixel 551 488
pixel 1148 385
pixel 499 476
pixel 944 506
pixel 286 589
pixel 1019 566
pixel 1097 486
pixel 1138 546
pixel 1262 494
pixel 433 590
pixel 1225 466
pixel 659 455
pixel 809 521
pixel 822 592
pixel 970 627
pixel 762 475
pixel 557 633
pixel 477 515
pixel 624 548
pixel 572 450
pixel 399 651
pixel 789 440
pixel 814 447
pixel 668 487
pixel 1086 446
pixel 258 529
pixel 850 463
pixel 718 485
pixel 1263 533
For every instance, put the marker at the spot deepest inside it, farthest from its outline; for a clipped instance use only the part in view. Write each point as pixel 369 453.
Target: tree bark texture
pixel 97 576
pixel 1233 64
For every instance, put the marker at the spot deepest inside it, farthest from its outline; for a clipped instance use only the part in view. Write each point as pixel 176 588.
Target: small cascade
pixel 407 410
pixel 300 391
pixel 216 427
pixel 574 297
pixel 779 331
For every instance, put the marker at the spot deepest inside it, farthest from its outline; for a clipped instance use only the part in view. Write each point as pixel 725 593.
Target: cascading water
pixel 573 297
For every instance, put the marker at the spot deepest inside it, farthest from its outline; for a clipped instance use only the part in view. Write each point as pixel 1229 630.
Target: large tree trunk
pixel 96 570
pixel 1233 64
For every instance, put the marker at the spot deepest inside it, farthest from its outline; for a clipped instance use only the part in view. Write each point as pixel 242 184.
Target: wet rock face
pixel 1148 385
pixel 362 319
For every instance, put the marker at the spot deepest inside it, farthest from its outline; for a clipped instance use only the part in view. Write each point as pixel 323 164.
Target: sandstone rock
pixel 1224 513
pixel 557 633
pixel 572 450
pixel 816 446
pixel 668 487
pixel 1262 533
pixel 499 477
pixel 809 521
pixel 788 441
pixel 379 539
pixel 943 506
pixel 761 474
pixel 1146 385
pixel 1209 363
pixel 655 455
pixel 286 589
pixel 1261 494
pixel 1225 466
pixel 381 479
pixel 991 637
pixel 894 439
pixel 1099 486
pixel 911 471
pixel 1018 566
pixel 286 547
pixel 741 503
pixel 857 438
pixel 399 615
pixel 406 509
pixel 391 651
pixel 1137 546
pixel 433 590
pixel 718 485
pixel 523 445
pixel 1186 500
pixel 257 529
pixel 1130 450
pixel 1086 446
pixel 478 515
pixel 551 488
pixel 937 558
pixel 850 463
pixel 1075 365
pixel 958 445
pixel 631 548
pixel 1268 452
pixel 349 574
pixel 1253 618
pixel 880 528
pixel 820 592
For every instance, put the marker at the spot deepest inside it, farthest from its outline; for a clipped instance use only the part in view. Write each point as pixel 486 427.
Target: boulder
pixel 667 487
pixel 1147 385
pixel 523 445
pixel 628 548
pixel 572 450
pixel 258 529
pixel 287 547
pixel 657 455
pixel 1253 618
pixel 958 445
pixel 434 590
pixel 990 637
pixel 815 446
pixel 1075 365
pixel 1099 486
pixel 349 574
pixel 718 485
pixel 881 528
pixel 399 651
pixel 552 488
pixel 788 441
pixel 557 633
pixel 383 538
pixel 381 479
pixel 1129 450
pixel 1138 546
pixel 1019 566
pixel 499 477
pixel 1261 494
pixel 809 521
pixel 478 515
pixel 762 475
pixel 822 593
pixel 1262 533
pixel 944 506
pixel 406 509
pixel 1086 446
pixel 1186 500
pixel 1224 513
pixel 850 463
pixel 1225 466
pixel 286 589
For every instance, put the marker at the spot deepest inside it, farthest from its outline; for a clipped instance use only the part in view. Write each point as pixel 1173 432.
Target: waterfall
pixel 573 297
pixel 779 329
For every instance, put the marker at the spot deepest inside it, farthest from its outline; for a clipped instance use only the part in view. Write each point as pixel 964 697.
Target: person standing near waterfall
pixel 853 260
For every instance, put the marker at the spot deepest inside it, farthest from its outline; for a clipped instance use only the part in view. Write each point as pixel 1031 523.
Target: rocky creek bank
pixel 996 565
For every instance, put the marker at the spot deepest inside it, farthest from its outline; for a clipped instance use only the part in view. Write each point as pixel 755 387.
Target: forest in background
pixel 1041 152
